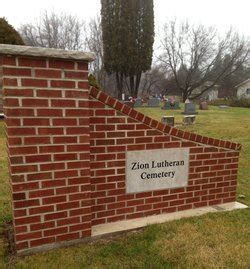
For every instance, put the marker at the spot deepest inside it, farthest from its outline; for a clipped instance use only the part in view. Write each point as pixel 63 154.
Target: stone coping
pixel 166 129
pixel 45 52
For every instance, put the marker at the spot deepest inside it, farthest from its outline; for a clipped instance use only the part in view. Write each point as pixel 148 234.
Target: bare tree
pixel 66 31
pixel 192 55
pixel 93 43
pixel 153 81
pixel 62 31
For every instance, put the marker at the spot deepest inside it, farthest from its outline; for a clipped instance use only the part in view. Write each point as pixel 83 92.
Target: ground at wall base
pixel 116 228
pixel 109 228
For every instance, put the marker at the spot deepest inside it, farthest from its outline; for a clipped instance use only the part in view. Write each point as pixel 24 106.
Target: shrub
pixel 240 102
pixel 219 102
pixel 8 35
pixel 233 101
pixel 93 82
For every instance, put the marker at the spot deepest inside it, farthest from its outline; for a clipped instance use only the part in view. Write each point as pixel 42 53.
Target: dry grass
pixel 5 204
pixel 208 242
pixel 218 240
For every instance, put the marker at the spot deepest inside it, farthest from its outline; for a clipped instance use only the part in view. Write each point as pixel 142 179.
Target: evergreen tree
pixel 128 37
pixel 8 35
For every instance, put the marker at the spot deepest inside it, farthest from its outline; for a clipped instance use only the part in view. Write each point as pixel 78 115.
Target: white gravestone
pixel 148 170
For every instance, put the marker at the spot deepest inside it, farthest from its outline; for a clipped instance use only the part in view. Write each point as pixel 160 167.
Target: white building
pixel 212 94
pixel 243 89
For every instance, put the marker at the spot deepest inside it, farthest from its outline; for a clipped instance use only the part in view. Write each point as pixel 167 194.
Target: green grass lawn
pixel 210 241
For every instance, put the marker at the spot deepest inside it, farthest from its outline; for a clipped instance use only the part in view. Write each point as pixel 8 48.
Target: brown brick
pixel 48 73
pixel 31 62
pixel 62 84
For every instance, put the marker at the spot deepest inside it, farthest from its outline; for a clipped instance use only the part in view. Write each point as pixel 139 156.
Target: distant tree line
pixel 195 56
pixel 122 41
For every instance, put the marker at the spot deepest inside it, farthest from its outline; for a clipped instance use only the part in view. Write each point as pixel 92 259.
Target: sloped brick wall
pixel 116 128
pixel 67 146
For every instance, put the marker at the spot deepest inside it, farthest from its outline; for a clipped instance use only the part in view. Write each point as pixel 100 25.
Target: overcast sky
pixel 221 13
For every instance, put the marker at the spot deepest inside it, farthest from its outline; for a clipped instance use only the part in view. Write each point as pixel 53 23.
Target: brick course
pixel 116 128
pixel 47 155
pixel 66 147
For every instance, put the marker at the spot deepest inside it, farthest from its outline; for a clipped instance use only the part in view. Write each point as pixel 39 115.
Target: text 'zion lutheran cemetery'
pixel 156 169
pixel 154 164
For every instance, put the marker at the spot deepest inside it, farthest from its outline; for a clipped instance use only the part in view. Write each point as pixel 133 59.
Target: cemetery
pixel 153 102
pixel 176 170
pixel 122 146
pixel 227 125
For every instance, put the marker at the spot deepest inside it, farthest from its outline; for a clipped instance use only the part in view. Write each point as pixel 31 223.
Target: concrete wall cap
pixel 45 52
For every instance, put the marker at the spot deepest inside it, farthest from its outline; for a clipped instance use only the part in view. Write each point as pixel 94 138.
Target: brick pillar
pixel 47 118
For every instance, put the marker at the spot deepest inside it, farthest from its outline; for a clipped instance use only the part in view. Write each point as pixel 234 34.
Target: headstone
pixel 189 109
pixel 176 105
pixel 138 103
pixel 189 119
pixel 127 97
pixel 204 105
pixel 168 105
pixel 169 120
pixel 154 102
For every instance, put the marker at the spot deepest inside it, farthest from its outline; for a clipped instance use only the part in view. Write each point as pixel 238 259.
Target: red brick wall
pixel 212 172
pixel 47 118
pixel 67 144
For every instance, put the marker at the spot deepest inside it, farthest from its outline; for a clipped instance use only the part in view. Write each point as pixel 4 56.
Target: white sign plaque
pixel 148 170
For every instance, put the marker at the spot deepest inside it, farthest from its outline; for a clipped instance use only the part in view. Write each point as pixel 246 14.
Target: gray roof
pixel 242 83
